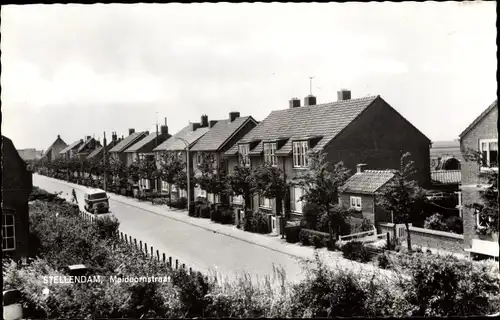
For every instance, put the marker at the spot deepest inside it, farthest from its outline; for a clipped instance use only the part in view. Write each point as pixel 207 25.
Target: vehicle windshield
pixel 95 196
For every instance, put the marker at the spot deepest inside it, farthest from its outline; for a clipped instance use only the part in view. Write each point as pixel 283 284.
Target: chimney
pixel 343 94
pixel 360 168
pixel 212 123
pixel 194 125
pixel 88 137
pixel 310 100
pixel 233 115
pixel 130 131
pixel 294 103
pixel 81 140
pixel 147 133
pixel 204 121
pixel 114 137
pixel 58 136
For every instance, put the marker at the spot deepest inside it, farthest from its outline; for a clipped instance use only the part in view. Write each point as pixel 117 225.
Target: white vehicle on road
pixel 96 199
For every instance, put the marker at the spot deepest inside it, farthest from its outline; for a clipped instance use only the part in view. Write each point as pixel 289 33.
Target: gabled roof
pixel 52 145
pixel 220 133
pixel 446 176
pixel 326 120
pixel 128 141
pixel 478 119
pixel 99 150
pixel 367 182
pixel 143 142
pixel 187 133
pixel 86 143
pixel 72 146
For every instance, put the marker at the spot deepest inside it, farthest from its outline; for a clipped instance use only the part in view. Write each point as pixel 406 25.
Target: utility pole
pixel 104 161
pixel 310 85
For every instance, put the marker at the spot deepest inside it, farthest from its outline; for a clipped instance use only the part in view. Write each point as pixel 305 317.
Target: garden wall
pixel 440 240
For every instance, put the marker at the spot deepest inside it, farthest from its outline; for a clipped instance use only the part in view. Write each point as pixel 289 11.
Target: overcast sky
pixel 79 70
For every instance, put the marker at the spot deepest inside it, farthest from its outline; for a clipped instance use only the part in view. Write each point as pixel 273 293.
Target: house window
pixel 297 204
pixel 356 203
pixel 144 184
pixel 199 158
pixel 199 192
pixel 238 199
pixel 300 149
pixel 164 186
pixel 489 152
pixel 8 232
pixel 269 153
pixel 265 202
pixel 243 150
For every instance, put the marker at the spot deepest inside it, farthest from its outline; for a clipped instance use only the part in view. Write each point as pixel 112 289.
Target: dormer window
pixel 269 153
pixel 243 150
pixel 300 158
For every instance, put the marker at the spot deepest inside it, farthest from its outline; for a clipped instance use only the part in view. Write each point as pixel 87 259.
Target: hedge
pixel 292 233
pixel 316 238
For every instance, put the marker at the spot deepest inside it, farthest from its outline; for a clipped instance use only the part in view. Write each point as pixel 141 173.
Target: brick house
pixel 365 130
pixel 189 135
pixel 117 152
pixel 216 142
pixel 54 150
pixel 359 194
pixel 17 184
pixel 98 153
pixel 86 148
pixel 482 136
pixel 143 149
pixel 71 150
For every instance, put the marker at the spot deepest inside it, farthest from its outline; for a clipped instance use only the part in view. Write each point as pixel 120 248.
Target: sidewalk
pixel 332 259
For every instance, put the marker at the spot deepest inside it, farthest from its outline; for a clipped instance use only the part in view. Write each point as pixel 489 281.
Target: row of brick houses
pixel 367 134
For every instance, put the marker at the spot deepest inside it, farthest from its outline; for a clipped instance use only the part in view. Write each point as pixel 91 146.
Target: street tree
pixel 147 168
pixel 242 182
pixel 169 167
pixel 402 196
pixel 213 177
pixel 117 169
pixel 321 183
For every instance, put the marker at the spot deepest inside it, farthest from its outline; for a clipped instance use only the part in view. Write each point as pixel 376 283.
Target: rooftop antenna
pixel 310 85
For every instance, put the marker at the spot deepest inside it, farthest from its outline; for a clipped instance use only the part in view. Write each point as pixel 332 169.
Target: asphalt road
pixel 198 248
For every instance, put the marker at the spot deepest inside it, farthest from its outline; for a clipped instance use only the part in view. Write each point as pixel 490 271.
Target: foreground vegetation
pixel 436 286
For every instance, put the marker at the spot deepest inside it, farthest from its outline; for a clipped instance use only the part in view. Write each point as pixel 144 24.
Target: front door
pixel 273 224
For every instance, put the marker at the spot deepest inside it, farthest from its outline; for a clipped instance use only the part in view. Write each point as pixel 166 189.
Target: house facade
pixel 54 150
pixel 176 146
pixel 71 150
pixel 143 149
pixel 215 143
pixel 359 194
pixel 366 130
pixel 17 184
pixel 117 152
pixel 87 147
pixel 480 136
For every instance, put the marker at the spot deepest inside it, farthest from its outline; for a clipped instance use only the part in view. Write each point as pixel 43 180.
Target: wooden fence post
pixel 163 257
pixel 183 266
pixel 190 270
pixel 140 245
pixel 176 264
pixel 135 242
pixel 388 235
pixel 170 262
pixel 152 253
pixel 145 248
pixel 158 255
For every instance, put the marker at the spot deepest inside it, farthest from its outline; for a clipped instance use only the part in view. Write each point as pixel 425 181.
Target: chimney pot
pixel 165 120
pixel 294 103
pixel 130 131
pixel 233 115
pixel 343 94
pixel 310 100
pixel 360 168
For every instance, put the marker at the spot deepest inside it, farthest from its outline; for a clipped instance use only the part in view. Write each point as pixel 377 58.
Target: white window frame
pixel 265 202
pixel 488 142
pixel 300 158
pixel 164 186
pixel 5 227
pixel 199 192
pixel 298 205
pixel 355 203
pixel 243 154
pixel 270 153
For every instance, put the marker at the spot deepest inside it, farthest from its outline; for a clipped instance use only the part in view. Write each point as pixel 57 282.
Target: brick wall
pixel 439 240
pixel 378 138
pixel 367 207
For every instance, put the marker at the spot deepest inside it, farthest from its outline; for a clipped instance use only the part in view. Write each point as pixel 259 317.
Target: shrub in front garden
pixel 256 222
pixel 227 216
pixel 312 237
pixel 355 250
pixel 436 222
pixel 455 224
pixel 182 203
pixel 383 261
pixel 310 215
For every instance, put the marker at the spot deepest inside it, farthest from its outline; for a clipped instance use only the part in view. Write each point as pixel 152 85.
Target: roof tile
pixel 446 176
pixel 367 182
pixel 71 147
pixel 122 145
pixel 187 133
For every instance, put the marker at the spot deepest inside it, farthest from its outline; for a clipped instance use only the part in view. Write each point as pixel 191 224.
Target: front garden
pixel 428 286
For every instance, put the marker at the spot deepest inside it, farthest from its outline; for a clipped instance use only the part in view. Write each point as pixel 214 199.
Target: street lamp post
pixel 188 172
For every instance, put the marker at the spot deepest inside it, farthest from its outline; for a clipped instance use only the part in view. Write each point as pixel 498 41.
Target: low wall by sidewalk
pixel 439 240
